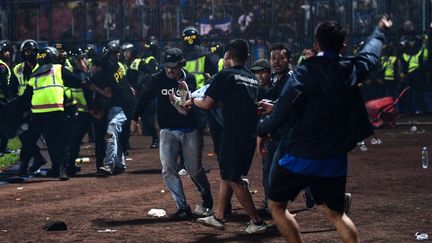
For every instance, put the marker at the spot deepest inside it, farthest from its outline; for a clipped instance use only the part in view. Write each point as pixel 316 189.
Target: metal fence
pixel 260 21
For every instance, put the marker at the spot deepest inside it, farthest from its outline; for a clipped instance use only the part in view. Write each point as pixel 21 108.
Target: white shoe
pixel 182 172
pixel 251 228
pixel 184 93
pixel 202 211
pixel 212 222
pixel 246 183
pixel 347 204
pixel 175 101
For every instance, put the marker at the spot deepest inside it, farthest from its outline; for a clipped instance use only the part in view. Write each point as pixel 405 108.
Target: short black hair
pixel 238 49
pixel 281 46
pixel 330 36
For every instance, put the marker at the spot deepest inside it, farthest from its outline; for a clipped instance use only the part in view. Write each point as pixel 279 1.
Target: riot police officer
pixel 198 59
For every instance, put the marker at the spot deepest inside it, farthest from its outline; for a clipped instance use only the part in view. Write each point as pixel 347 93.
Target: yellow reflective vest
pixel 78 96
pixel 196 67
pixel 387 65
pixel 19 74
pixel 220 64
pixel 135 64
pixel 414 61
pixel 68 65
pixel 7 77
pixel 48 91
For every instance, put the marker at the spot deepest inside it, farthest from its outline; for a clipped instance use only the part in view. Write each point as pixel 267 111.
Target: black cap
pixel 260 64
pixel 173 57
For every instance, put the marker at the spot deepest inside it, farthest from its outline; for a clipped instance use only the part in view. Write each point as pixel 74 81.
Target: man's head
pixel 48 55
pixel 63 52
pixel 29 48
pixel 128 52
pixel 91 50
pixel 280 58
pixel 77 55
pixel 261 68
pixel 112 49
pixel 5 50
pixel 330 36
pixel 236 52
pixel 173 62
pixel 191 36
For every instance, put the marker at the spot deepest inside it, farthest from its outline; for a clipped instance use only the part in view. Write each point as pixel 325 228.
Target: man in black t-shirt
pixel 236 90
pixel 178 132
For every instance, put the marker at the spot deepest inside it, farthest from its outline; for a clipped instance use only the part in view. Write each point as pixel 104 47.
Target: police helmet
pixel 77 52
pixel 191 36
pixel 4 45
pixel 62 49
pixel 29 45
pixel 153 42
pixel 112 47
pixel 216 48
pixel 47 55
pixel 91 50
pixel 127 46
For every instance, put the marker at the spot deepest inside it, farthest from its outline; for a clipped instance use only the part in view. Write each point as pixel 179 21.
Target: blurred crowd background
pixel 262 22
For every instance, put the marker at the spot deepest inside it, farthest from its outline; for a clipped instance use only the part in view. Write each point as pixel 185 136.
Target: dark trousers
pixel 148 120
pixel 3 142
pixel 414 99
pixel 51 125
pixel 125 135
pixel 38 159
pixel 82 123
pixel 267 161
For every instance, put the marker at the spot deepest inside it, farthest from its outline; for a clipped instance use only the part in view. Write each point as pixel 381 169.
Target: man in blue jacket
pixel 327 117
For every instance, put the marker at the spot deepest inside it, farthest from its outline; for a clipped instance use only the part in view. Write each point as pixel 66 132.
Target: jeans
pixel 114 155
pixel 170 144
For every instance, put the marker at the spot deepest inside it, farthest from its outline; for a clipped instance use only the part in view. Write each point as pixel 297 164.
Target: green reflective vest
pixel 68 65
pixel 414 61
pixel 387 65
pixel 196 67
pixel 122 68
pixel 135 64
pixel 48 91
pixel 7 77
pixel 220 64
pixel 78 96
pixel 19 74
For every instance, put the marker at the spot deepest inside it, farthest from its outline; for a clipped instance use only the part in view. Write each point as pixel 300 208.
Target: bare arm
pixel 203 103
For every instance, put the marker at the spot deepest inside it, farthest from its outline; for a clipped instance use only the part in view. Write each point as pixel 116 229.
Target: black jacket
pixel 323 106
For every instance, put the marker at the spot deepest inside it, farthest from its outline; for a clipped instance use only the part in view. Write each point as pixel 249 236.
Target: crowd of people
pixel 303 117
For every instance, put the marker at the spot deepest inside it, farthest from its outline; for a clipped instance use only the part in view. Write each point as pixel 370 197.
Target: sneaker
pixel 310 203
pixel 183 90
pixel 212 222
pixel 347 203
pixel 175 101
pixel 105 170
pixel 179 101
pixel 246 183
pixel 155 144
pixel 182 172
pixel 182 214
pixel 251 228
pixel 203 211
